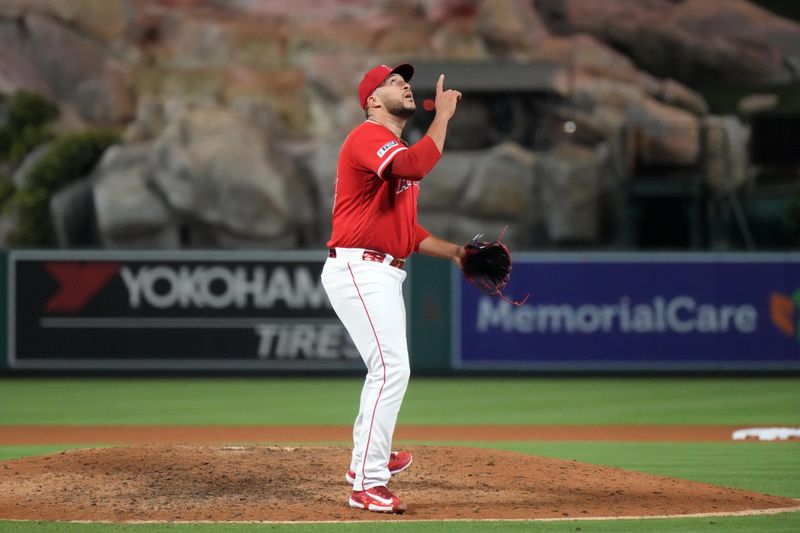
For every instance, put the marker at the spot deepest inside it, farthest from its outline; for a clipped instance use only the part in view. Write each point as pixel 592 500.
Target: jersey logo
pixel 405 184
pixel 385 148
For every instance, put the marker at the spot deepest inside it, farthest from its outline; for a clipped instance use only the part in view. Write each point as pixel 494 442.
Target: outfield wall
pixel 266 312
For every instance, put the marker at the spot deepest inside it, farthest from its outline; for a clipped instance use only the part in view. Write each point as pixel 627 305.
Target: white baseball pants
pixel 368 298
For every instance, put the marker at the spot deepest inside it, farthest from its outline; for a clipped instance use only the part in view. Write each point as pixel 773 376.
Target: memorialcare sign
pixel 636 312
pixel 187 310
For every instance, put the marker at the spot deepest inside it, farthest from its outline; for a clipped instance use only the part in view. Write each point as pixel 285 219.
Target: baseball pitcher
pixel 375 229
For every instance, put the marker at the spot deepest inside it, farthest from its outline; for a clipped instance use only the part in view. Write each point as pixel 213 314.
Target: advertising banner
pixel 635 312
pixel 210 310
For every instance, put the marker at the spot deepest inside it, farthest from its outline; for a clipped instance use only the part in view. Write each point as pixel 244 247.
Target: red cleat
pixel 378 499
pixel 398 461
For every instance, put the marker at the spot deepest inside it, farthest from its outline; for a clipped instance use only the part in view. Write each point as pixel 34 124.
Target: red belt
pixel 378 257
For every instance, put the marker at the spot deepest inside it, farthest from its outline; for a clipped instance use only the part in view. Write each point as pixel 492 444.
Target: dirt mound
pixel 270 483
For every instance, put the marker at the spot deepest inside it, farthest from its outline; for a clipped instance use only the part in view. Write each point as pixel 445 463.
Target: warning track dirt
pixel 331 433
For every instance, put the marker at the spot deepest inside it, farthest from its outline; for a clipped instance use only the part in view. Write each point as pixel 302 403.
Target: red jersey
pixel 377 185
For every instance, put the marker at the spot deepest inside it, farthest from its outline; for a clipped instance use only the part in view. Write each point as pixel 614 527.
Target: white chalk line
pixel 751 512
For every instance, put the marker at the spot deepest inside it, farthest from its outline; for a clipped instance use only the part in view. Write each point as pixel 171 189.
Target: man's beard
pixel 399 109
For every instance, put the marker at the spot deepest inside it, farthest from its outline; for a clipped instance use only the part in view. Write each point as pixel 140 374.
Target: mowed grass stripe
pixel 432 401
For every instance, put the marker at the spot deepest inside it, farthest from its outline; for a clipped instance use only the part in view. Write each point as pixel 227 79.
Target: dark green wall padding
pixel 429 314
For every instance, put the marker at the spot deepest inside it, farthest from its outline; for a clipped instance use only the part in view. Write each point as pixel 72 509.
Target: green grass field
pixel 449 401
pixel 764 467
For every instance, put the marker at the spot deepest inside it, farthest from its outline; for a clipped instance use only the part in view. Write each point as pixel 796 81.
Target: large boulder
pixel 480 191
pixel 73 215
pixel 43 54
pixel 502 184
pixel 443 188
pixel 496 182
pixel 674 93
pixel 457 39
pixel 214 167
pixel 129 211
pixel 663 135
pixel 569 179
pixel 16 72
pixel 699 40
pixel 590 64
pixel 469 129
pixel 105 20
pixel 209 41
pixel 587 55
pixel 509 27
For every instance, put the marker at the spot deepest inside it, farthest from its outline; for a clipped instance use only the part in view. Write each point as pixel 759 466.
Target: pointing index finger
pixel 440 84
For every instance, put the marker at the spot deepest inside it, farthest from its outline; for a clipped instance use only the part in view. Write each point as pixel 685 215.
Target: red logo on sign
pixel 78 283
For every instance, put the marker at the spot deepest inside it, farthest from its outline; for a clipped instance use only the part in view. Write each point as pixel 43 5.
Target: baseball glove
pixel 487 265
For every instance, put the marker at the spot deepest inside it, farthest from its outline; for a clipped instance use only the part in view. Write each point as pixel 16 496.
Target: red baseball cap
pixel 373 78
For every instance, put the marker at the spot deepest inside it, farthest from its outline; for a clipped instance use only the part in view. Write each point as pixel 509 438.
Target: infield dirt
pixel 169 482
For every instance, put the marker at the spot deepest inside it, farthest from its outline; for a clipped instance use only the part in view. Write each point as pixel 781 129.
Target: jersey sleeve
pixel 420 234
pixel 417 161
pixel 375 149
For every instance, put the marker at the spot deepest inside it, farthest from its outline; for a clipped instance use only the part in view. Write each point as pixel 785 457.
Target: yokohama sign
pixel 173 311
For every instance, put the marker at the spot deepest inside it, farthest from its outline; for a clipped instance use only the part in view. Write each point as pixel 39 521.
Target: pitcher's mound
pixel 268 483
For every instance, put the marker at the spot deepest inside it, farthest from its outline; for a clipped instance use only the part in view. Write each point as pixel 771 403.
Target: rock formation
pixel 233 112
